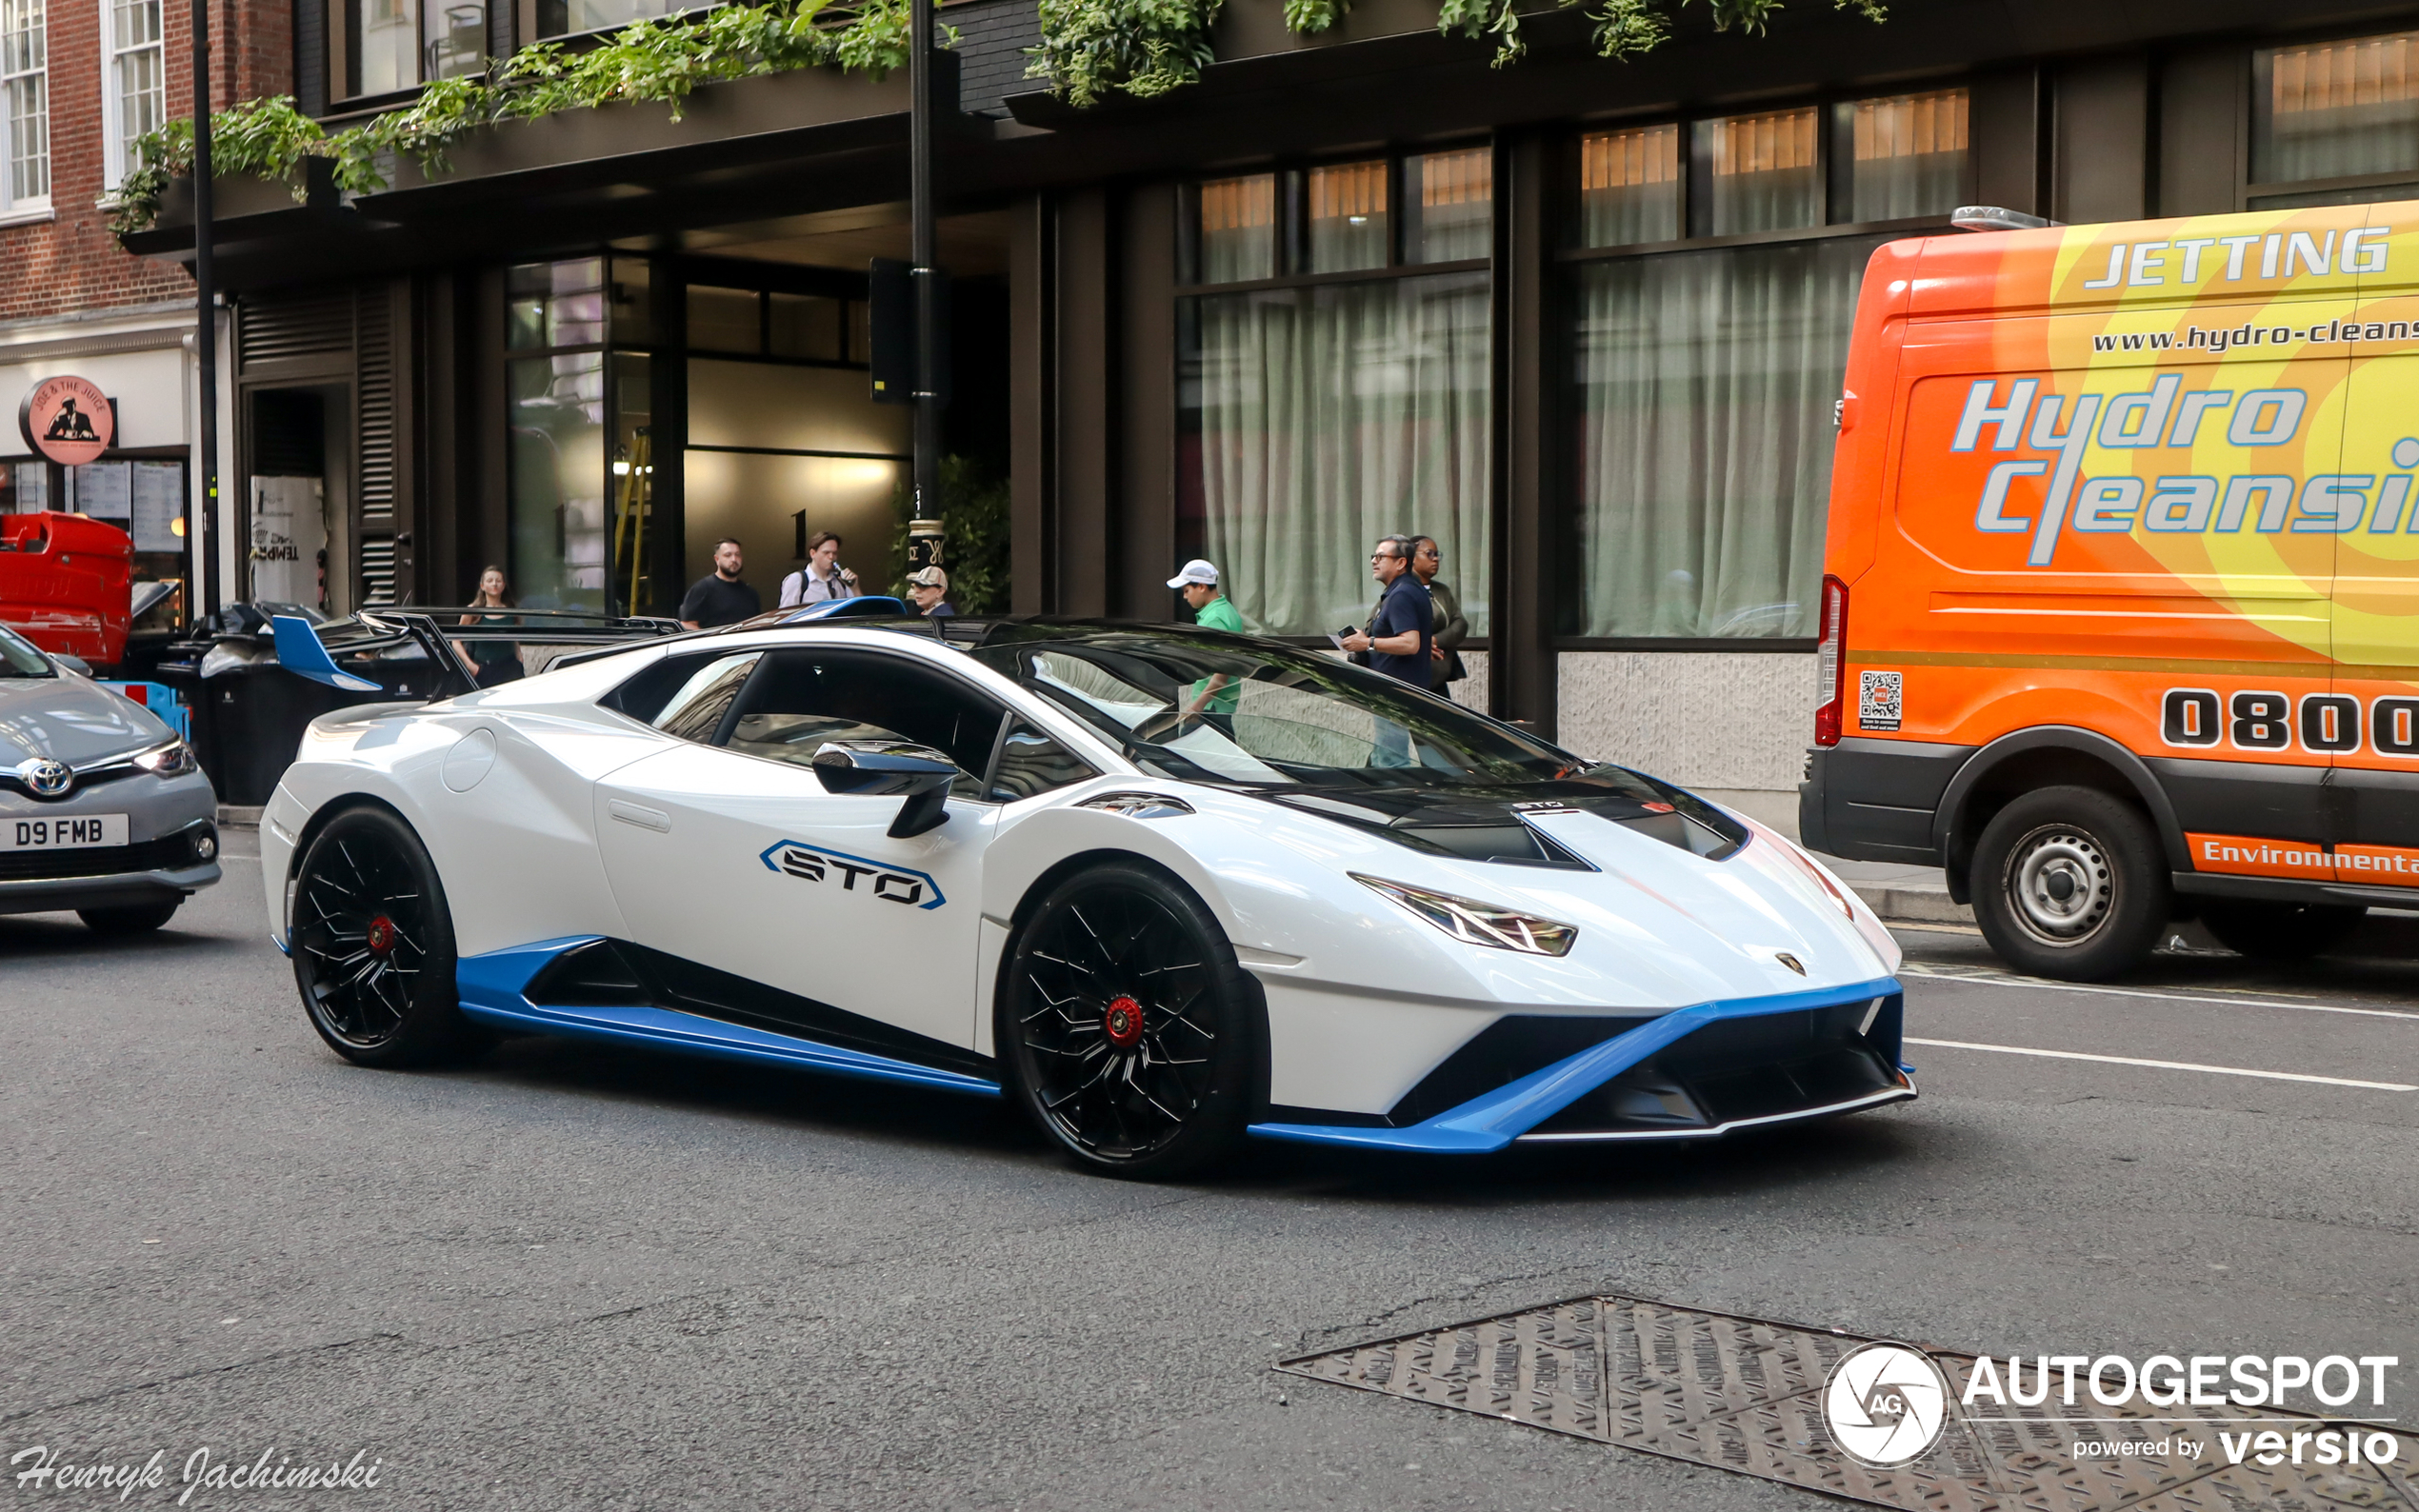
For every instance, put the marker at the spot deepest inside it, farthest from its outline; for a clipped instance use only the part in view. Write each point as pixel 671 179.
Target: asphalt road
pixel 573 1277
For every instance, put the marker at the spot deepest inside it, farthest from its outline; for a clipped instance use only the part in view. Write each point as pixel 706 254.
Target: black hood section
pixel 1487 823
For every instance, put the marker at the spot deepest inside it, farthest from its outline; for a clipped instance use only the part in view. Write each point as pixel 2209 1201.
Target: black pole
pixel 925 531
pixel 205 320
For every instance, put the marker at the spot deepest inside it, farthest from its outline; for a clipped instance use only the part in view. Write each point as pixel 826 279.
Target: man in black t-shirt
pixel 719 598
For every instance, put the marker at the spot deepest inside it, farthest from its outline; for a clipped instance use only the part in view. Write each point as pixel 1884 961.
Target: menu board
pixel 157 501
pixel 103 490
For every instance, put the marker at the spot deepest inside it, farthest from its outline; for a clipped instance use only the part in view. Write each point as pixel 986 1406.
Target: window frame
pixel 13 207
pixel 1293 228
pixel 1833 144
pixel 344 50
pixel 115 143
pixel 1833 170
pixel 2258 82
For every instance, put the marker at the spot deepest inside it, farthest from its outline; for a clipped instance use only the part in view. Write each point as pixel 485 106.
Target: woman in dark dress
pixel 494 661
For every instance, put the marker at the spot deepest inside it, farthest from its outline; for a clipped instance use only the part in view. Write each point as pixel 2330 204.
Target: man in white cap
pixel 1210 609
pixel 929 587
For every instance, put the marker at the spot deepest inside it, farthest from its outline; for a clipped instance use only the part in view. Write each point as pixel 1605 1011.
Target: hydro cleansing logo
pixel 1885 1405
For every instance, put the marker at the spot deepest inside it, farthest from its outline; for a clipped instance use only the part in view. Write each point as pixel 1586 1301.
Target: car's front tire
pixel 2071 882
pixel 1124 1026
pixel 134 919
pixel 372 945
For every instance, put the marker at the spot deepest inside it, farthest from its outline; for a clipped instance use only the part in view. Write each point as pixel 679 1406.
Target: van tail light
pixel 1831 662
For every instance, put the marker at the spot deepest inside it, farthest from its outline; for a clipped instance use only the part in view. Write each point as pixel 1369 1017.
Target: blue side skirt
pixel 1493 1120
pixel 492 987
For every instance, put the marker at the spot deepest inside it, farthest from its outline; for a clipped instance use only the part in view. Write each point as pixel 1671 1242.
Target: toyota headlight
pixel 172 760
pixel 1478 923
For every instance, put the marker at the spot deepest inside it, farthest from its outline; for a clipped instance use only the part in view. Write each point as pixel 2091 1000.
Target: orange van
pixel 2120 622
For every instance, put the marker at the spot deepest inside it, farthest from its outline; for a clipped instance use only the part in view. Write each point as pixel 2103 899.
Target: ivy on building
pixel 1089 49
pixel 660 61
pixel 1146 48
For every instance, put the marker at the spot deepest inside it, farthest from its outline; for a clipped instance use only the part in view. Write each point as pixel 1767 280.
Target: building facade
pixel 80 82
pixel 1584 322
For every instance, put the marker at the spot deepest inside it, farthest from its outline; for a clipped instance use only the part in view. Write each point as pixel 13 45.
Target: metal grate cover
pixel 1744 1394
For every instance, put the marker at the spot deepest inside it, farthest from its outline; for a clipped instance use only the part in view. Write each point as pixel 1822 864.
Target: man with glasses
pixel 1401 638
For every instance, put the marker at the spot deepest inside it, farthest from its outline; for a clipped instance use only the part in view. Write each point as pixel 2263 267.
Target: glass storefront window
pixel 727 320
pixel 632 303
pixel 1766 173
pixel 1316 420
pixel 1448 206
pixel 558 519
pixel 2337 110
pixel 1630 187
pixel 1347 217
pixel 1704 384
pixel 807 325
pixel 1907 155
pixel 556 305
pixel 1237 225
pixel 633 482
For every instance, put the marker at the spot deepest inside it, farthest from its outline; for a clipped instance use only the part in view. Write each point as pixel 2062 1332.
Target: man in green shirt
pixel 1212 611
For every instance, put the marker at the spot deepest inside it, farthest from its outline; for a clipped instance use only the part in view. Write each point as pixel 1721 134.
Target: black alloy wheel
pixel 372 945
pixel 1122 1024
pixel 2071 882
pixel 2279 931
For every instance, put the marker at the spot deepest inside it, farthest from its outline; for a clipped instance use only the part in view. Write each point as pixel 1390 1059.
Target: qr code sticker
pixel 1878 699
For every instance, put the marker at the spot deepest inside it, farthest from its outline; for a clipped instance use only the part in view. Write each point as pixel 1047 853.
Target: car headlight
pixel 1478 923
pixel 172 760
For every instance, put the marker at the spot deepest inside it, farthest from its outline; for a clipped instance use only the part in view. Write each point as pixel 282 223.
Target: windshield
pixel 19 659
pixel 1204 707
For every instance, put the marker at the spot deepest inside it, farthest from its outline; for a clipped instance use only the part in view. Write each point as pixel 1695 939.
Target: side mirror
pixel 878 768
pixel 73 664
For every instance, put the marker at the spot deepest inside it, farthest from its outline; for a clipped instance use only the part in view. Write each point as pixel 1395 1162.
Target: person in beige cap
pixel 929 587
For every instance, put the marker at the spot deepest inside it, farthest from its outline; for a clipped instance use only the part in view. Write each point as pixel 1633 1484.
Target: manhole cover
pixel 1744 1394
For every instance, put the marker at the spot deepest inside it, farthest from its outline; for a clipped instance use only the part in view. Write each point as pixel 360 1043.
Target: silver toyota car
pixel 102 809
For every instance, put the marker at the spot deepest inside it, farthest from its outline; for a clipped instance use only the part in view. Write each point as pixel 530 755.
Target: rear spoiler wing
pixel 421 636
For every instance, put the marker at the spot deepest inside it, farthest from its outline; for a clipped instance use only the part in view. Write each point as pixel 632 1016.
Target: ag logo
pixel 795 858
pixel 1885 1405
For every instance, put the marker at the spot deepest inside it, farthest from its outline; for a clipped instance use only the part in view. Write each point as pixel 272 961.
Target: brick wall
pixel 72 263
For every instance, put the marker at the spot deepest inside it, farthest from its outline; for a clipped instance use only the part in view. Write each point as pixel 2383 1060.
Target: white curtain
pixel 1706 382
pixel 1330 416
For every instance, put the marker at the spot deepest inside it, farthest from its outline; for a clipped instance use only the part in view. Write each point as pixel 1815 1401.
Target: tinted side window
pixel 1032 763
pixel 806 698
pixel 695 711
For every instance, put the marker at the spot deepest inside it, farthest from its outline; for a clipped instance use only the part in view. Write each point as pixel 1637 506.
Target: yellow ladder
pixel 630 513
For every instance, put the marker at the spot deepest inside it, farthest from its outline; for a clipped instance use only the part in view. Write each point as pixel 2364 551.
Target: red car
pixel 66 583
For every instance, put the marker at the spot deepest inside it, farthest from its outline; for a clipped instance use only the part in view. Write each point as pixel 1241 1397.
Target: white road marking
pixel 2164 1065
pixel 2006 978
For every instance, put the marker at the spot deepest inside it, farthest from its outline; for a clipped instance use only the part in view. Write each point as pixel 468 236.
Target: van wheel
pixel 2280 931
pixel 2071 882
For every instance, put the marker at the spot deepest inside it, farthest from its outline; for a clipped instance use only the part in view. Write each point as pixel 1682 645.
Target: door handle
pixel 644 818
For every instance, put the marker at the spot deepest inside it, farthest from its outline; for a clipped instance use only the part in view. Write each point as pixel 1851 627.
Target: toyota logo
pixel 44 777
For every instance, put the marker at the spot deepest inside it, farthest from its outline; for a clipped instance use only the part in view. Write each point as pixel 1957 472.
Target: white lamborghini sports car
pixel 1162 888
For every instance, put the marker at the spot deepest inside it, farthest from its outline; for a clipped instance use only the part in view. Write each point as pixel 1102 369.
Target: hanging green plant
pixel 1144 48
pixel 661 61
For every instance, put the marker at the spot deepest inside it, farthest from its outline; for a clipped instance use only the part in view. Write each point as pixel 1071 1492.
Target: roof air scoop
pixel 1996 218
